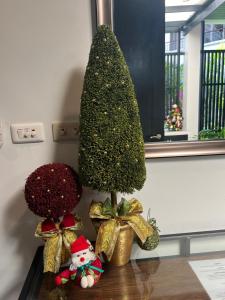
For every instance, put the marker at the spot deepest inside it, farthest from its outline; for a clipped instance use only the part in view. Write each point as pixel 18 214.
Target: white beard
pixel 76 263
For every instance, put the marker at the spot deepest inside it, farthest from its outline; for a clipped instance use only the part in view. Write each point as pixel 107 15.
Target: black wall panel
pixel 140 29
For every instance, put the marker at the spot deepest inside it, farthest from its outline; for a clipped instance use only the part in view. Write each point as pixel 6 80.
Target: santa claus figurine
pixel 86 267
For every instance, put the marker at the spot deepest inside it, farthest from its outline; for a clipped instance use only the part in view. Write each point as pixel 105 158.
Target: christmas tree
pixel 111 156
pixel 174 120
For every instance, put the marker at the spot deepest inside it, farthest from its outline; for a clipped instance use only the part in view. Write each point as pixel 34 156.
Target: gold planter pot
pixel 116 228
pixel 122 251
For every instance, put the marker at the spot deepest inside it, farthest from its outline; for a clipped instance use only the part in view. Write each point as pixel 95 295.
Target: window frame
pixel 103 14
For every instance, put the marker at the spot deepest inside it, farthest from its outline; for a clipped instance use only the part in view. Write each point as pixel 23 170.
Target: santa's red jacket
pixel 93 268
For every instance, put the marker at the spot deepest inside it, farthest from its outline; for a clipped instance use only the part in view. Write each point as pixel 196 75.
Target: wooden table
pixel 156 279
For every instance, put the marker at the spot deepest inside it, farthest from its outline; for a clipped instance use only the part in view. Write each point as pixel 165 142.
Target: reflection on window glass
pixel 212 118
pixel 179 16
pixel 214 33
pixel 174 78
pixel 184 2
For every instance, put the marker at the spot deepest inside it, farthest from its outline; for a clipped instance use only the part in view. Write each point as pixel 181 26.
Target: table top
pixel 155 279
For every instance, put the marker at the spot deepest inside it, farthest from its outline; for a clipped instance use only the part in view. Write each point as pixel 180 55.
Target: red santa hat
pixel 80 244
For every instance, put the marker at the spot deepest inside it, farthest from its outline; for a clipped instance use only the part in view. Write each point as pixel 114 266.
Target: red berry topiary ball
pixel 52 190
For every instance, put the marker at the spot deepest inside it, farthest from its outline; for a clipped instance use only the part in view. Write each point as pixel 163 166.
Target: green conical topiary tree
pixel 111 140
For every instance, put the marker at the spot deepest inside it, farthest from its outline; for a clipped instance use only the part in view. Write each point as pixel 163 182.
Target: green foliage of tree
pixel 111 155
pixel 212 134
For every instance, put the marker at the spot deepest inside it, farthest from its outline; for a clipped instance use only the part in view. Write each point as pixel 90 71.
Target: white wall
pixel 186 194
pixel 216 45
pixel 43 53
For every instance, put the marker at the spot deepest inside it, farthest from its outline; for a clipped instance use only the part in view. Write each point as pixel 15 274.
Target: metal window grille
pixel 212 108
pixel 173 80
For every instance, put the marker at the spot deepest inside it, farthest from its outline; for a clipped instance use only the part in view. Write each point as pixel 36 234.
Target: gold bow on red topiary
pixel 57 243
pixel 110 221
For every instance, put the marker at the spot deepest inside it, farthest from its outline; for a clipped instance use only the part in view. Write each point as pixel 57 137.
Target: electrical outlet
pixel 27 133
pixel 65 131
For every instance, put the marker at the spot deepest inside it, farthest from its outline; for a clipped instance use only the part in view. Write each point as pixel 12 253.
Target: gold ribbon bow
pixel 57 244
pixel 110 222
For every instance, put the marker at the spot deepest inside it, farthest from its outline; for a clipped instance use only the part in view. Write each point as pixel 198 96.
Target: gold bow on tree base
pixel 57 244
pixel 111 220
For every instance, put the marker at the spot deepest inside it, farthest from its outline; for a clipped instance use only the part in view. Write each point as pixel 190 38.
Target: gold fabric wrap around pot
pixel 118 229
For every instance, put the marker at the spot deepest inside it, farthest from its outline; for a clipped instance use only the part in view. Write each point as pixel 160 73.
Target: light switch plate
pixel 27 132
pixel 65 131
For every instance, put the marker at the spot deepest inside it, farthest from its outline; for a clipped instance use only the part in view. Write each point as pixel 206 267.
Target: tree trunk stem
pixel 114 200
